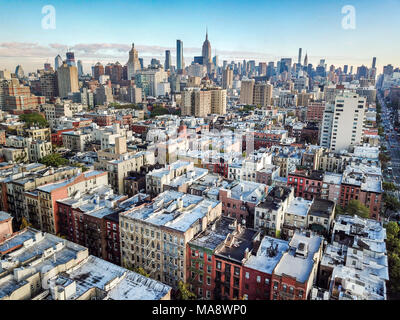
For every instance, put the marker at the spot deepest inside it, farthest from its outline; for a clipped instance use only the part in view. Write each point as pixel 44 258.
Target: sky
pixel 261 30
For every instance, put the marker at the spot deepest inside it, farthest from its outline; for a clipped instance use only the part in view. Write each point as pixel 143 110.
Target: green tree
pixel 141 271
pixel 355 207
pixel 34 119
pixel 54 160
pixel 184 293
pixel 391 202
pixel 389 186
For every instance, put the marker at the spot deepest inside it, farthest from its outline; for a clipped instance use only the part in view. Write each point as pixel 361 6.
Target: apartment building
pixel 154 236
pixel 239 200
pixel 76 140
pixel 270 213
pixel 296 272
pixel 343 122
pixel 258 269
pixel 354 265
pixel 18 189
pixel 48 194
pixel 201 254
pixel 158 178
pixel 63 270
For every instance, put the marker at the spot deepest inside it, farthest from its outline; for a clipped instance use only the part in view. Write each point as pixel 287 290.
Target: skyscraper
pixel 345 69
pixel 206 51
pixel 227 78
pixel 167 64
pixel 80 68
pixel 19 72
pixel 306 60
pixel 58 62
pixel 67 77
pixel 179 54
pixel 299 61
pixel 374 62
pixel 70 59
pixel 133 63
pixel 98 70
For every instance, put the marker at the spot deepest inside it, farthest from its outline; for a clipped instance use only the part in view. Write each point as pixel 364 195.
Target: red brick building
pixel 201 260
pixel 315 111
pixel 296 272
pixel 229 263
pixel 240 199
pixel 306 184
pixel 258 269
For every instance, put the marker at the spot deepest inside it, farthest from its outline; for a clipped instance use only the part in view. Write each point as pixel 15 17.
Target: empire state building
pixel 206 52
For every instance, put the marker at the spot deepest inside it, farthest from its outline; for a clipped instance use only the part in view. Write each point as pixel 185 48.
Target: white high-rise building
pixel 343 121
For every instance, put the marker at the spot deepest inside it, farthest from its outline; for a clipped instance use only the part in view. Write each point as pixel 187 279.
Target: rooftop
pixel 268 255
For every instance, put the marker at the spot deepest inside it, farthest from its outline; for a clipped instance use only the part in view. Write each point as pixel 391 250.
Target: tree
pixel 141 271
pixel 54 160
pixel 355 207
pixel 24 224
pixel 391 202
pixel 184 293
pixel 393 248
pixel 36 119
pixel 384 158
pixel 389 186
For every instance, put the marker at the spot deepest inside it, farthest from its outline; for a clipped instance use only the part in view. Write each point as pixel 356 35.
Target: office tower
pixel 80 68
pixel 388 70
pixel 167 65
pixel 215 61
pixel 108 69
pixel 345 68
pixel 57 62
pixel 262 68
pixel 351 70
pixel 270 69
pixel 133 63
pixel 306 60
pixel 47 67
pixel 362 72
pixel 224 64
pixel 70 59
pixel 246 91
pixel 98 70
pixel 179 55
pixel 373 62
pixel 252 66
pixel 67 77
pixel 343 121
pixel 206 50
pixel 48 85
pixel 155 63
pixel 116 72
pixel 299 60
pixel 286 65
pixel 227 78
pixel 141 63
pixel 19 72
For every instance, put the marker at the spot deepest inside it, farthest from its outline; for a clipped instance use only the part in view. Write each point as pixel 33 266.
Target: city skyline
pixel 266 39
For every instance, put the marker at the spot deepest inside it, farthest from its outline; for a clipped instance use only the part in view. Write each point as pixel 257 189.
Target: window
pixel 258 279
pixel 247 275
pixel 219 265
pixel 266 280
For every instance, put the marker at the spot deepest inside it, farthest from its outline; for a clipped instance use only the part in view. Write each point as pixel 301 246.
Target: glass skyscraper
pixel 179 54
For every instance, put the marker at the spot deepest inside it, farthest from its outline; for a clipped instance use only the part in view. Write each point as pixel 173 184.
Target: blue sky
pixel 262 30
